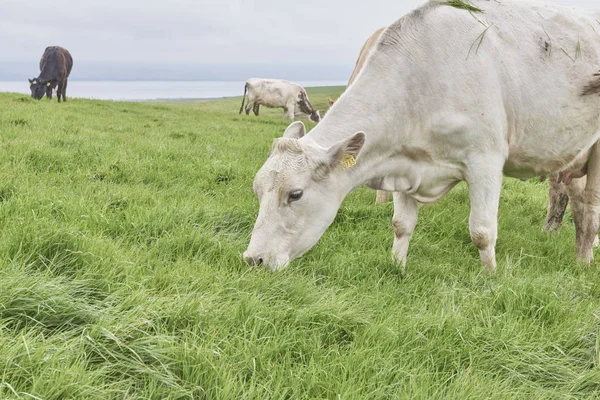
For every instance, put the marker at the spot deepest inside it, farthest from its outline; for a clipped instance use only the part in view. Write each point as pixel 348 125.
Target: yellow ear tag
pixel 348 161
pixel 48 84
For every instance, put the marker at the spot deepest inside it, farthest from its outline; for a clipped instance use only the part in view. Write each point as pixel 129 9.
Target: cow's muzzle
pixel 253 260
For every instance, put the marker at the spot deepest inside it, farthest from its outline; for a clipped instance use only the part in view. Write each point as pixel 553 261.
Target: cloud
pixel 189 31
pixel 205 32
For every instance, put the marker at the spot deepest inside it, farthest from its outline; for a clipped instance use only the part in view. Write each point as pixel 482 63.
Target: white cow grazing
pixel 278 93
pixel 446 96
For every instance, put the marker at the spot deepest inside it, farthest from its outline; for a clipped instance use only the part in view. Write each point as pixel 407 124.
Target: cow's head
pixel 315 116
pixel 38 87
pixel 300 189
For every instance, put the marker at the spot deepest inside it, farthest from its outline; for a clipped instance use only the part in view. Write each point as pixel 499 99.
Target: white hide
pixel 445 96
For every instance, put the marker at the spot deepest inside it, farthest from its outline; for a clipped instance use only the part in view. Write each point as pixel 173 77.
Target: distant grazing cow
pixel 431 109
pixel 55 66
pixel 277 93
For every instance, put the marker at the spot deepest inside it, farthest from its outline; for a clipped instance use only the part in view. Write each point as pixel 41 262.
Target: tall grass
pixel 122 228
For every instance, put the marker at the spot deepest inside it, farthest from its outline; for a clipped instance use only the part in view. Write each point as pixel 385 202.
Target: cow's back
pixel 364 52
pixel 56 62
pixel 512 74
pixel 273 92
pixel 69 60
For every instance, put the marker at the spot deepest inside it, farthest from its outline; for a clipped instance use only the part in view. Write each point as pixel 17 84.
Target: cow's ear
pixel 330 101
pixel 345 153
pixel 296 130
pixel 30 80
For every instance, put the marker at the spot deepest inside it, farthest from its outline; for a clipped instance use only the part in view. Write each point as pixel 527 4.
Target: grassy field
pixel 122 229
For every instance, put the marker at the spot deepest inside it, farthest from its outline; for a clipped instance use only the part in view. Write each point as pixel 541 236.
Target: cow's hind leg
pixel 252 99
pixel 256 109
pixel 484 177
pixel 576 192
pixel 558 198
pixel 64 90
pixel 59 91
pixel 404 222
pixel 591 208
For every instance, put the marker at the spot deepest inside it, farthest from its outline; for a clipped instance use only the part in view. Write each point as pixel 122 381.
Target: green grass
pixel 463 5
pixel 123 226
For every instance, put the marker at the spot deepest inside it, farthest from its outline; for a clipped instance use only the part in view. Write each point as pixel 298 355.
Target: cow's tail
pixel 244 98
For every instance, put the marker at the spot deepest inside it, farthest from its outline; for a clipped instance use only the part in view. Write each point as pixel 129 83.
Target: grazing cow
pixel 55 66
pixel 277 93
pixel 435 105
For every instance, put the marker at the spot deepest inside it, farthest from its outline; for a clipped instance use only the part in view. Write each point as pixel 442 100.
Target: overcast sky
pixel 177 32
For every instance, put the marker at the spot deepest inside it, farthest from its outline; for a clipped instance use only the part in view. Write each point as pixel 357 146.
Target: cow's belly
pixel 271 103
pixel 552 139
pixel 537 156
pixel 525 167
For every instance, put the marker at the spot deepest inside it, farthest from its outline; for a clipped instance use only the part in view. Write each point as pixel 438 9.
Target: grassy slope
pixel 123 226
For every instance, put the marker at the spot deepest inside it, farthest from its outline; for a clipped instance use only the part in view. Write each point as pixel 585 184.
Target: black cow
pixel 55 67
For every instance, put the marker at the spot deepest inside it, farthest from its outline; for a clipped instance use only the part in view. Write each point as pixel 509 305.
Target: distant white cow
pixel 278 93
pixel 446 95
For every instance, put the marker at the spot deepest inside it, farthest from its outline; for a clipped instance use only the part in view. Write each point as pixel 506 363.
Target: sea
pixel 152 90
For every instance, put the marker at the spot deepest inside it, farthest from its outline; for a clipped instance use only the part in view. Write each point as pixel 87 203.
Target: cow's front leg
pixel 484 177
pixel 404 222
pixel 289 112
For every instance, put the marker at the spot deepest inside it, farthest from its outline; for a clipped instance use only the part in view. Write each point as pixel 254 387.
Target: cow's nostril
pixel 253 260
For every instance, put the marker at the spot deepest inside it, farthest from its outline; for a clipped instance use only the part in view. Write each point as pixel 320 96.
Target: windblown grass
pixel 463 5
pixel 123 226
pixel 479 40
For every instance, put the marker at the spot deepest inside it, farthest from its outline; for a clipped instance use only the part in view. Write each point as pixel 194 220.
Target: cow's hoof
pixel 551 226
pixel 585 259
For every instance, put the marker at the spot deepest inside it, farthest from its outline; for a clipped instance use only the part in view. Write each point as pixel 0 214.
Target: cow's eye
pixel 296 195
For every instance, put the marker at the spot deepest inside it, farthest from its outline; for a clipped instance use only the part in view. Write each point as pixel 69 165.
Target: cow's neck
pixel 395 154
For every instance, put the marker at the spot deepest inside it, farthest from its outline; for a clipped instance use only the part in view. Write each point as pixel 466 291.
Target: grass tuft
pixel 463 5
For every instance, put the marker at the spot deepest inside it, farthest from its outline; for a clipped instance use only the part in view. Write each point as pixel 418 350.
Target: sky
pixel 196 39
